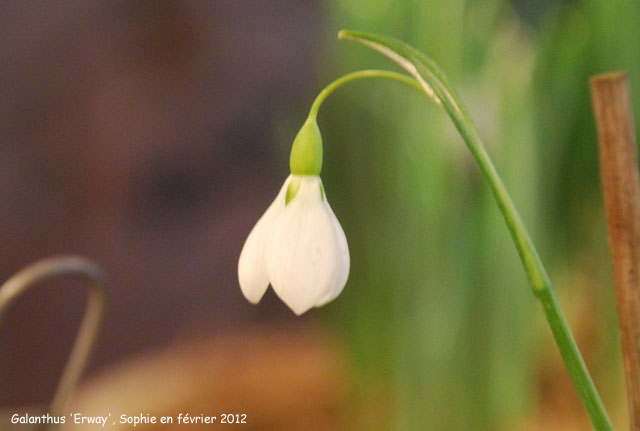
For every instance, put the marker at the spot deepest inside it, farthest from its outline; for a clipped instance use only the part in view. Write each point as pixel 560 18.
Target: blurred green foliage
pixel 445 331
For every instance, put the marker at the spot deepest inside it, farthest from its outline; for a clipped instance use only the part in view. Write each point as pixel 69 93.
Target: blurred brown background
pixel 141 135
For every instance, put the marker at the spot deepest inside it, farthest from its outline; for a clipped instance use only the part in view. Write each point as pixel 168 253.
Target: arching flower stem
pixel 363 74
pixel 431 81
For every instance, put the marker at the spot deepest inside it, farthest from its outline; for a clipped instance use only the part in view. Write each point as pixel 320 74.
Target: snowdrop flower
pixel 298 245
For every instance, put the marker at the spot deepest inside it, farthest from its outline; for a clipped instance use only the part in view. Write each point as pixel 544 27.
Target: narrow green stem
pixel 573 360
pixel 436 85
pixel 541 286
pixel 369 73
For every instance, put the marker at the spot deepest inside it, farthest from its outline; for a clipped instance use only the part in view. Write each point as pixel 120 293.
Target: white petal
pixel 252 265
pixel 343 259
pixel 302 249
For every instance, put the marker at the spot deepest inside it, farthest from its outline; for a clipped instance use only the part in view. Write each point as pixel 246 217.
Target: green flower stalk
pixel 436 85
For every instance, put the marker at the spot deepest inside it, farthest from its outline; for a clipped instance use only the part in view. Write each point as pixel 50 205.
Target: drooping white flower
pixel 297 246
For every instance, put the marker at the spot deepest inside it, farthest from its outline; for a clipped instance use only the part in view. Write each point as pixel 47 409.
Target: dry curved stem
pixel 49 268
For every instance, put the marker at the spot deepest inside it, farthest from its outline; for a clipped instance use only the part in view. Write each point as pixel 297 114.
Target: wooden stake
pixel 611 98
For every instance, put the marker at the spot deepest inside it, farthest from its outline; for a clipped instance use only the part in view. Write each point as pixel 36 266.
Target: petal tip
pixel 299 311
pixel 253 293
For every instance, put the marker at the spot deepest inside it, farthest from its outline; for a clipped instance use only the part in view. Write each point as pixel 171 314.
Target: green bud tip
pixel 306 152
